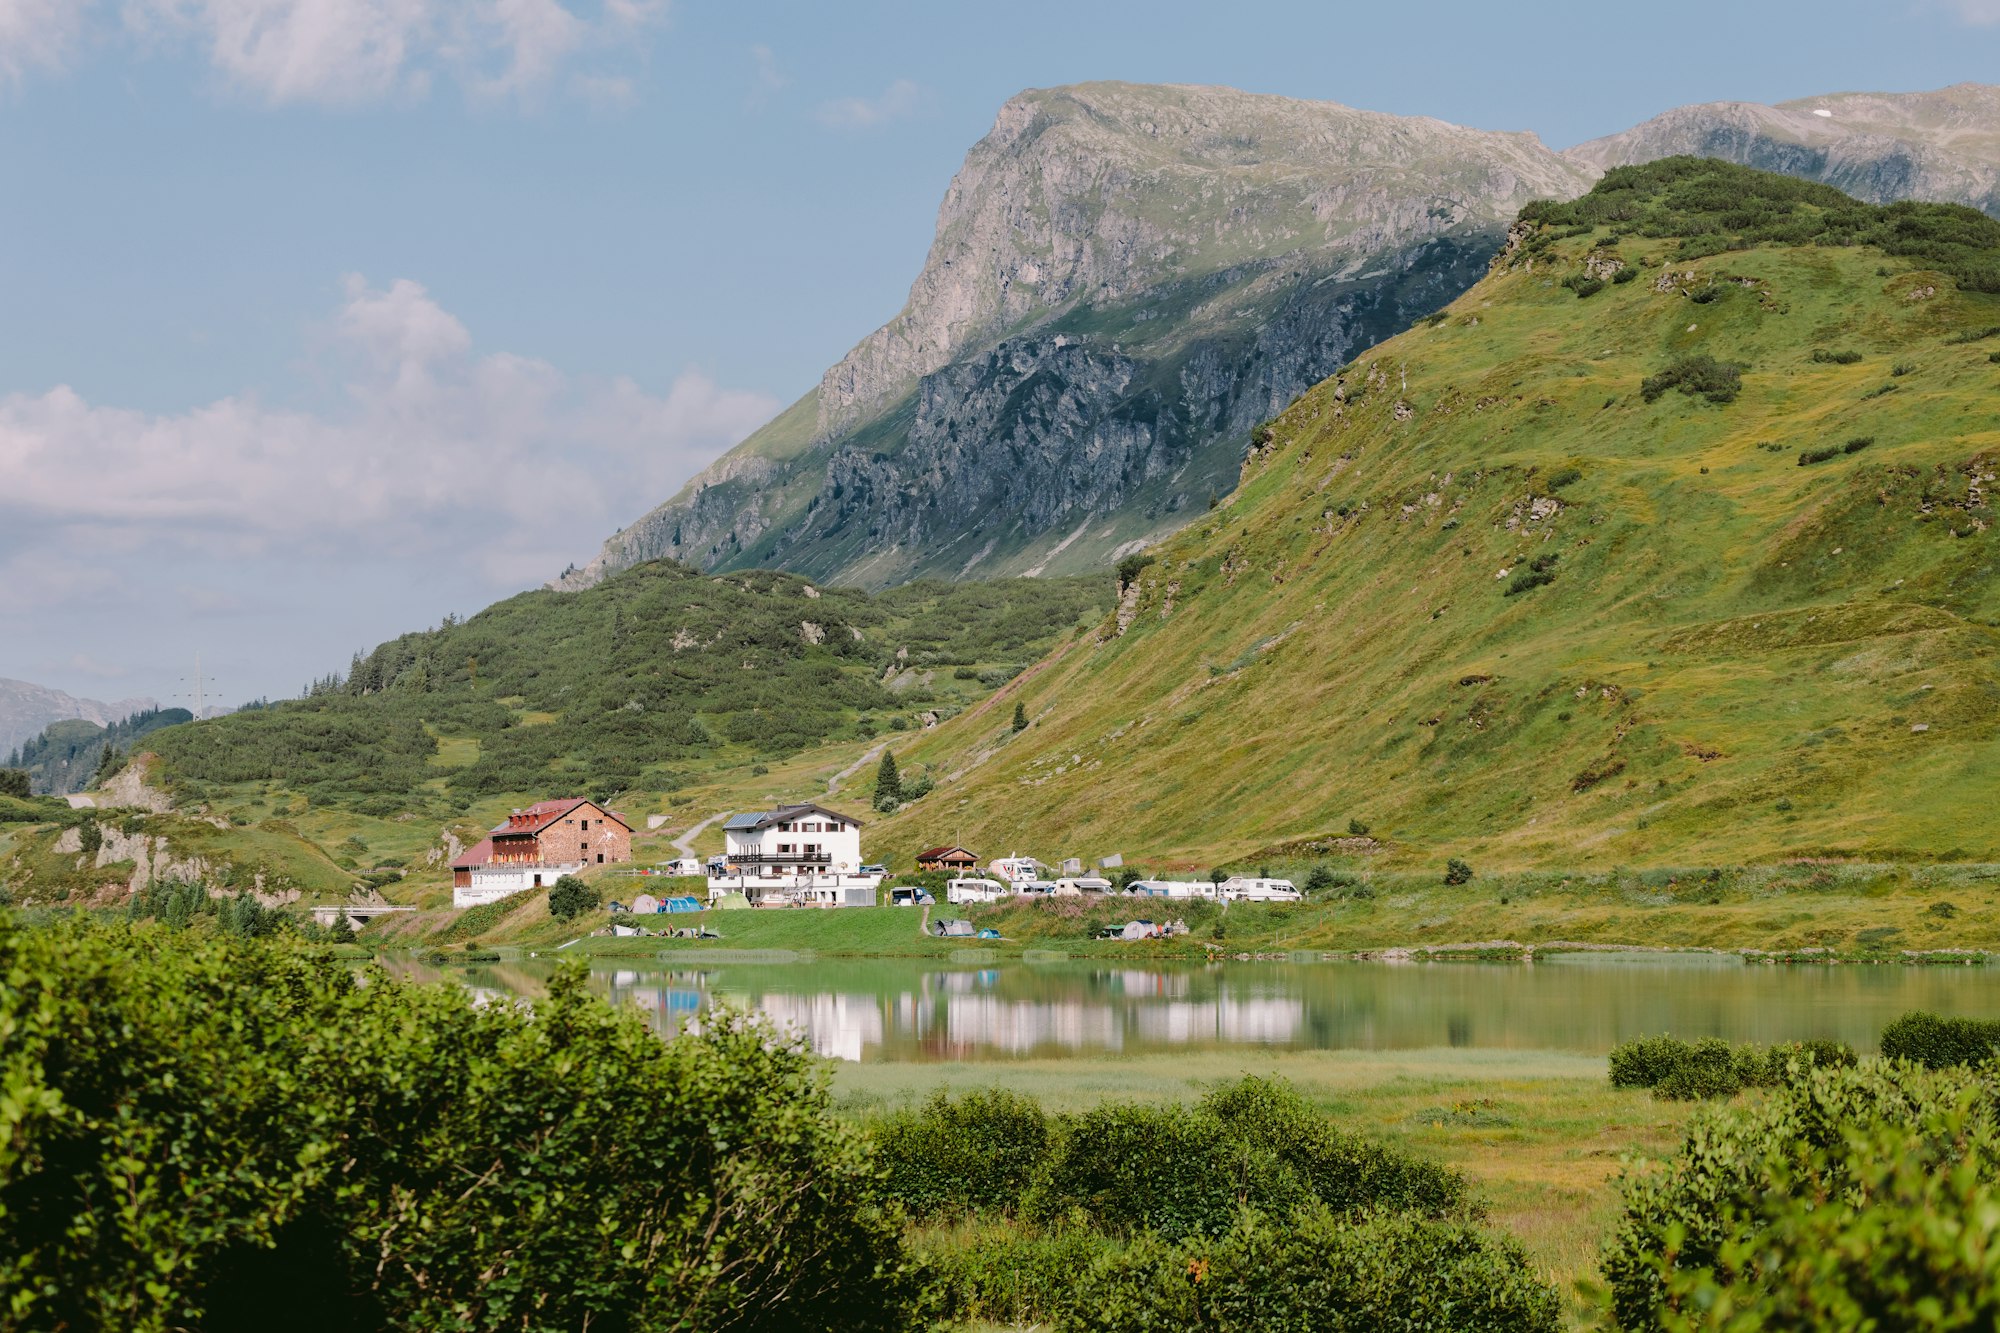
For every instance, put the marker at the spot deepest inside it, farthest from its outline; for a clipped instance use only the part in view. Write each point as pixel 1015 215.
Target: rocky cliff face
pixel 1127 279
pixel 1881 147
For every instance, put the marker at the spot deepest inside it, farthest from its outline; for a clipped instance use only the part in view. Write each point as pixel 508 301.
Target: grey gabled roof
pixel 751 820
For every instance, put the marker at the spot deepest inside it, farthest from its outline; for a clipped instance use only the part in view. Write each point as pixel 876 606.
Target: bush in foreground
pixel 1859 1197
pixel 1382 1275
pixel 1936 1042
pixel 1678 1070
pixel 216 1134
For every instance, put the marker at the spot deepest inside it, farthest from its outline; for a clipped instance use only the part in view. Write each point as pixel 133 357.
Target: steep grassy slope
pixel 1490 594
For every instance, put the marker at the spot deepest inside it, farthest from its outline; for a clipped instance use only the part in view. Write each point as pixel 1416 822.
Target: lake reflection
pixel 912 1010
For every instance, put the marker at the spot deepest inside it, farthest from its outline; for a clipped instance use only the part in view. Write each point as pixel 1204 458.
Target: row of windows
pixel 811 826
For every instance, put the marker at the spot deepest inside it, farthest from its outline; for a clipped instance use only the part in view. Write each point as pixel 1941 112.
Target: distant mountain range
pixel 1128 279
pixel 26 709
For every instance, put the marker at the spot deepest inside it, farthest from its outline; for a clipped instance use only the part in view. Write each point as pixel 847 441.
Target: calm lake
pixel 912 1010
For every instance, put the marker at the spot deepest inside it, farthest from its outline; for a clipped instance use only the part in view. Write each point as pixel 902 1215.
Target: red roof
pixel 939 853
pixel 542 814
pixel 478 856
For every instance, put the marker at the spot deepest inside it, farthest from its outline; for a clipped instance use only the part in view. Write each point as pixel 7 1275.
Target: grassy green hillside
pixel 642 682
pixel 1668 544
pixel 673 693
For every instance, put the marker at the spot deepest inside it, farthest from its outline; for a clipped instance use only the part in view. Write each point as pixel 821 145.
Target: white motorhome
pixel 1171 888
pixel 975 891
pixel 1258 889
pixel 1022 873
pixel 1072 886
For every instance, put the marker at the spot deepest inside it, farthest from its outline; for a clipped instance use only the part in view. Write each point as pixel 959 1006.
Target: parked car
pixel 874 870
pixel 911 895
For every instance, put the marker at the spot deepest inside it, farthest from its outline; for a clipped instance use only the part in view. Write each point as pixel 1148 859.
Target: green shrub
pixel 1974 335
pixel 1382 1275
pixel 570 898
pixel 1857 1197
pixel 1698 376
pixel 1189 1171
pixel 1625 274
pixel 1563 477
pixel 1936 1042
pixel 1902 368
pixel 1678 1070
pixel 1007 1274
pixel 1457 872
pixel 1130 568
pixel 1583 286
pixel 1527 580
pixel 14 783
pixel 203 1131
pixel 1826 358
pixel 953 1155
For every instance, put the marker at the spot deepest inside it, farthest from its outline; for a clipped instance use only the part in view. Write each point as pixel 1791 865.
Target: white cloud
pixel 1981 12
pixel 767 78
pixel 351 51
pixel 496 462
pixel 899 99
pixel 38 34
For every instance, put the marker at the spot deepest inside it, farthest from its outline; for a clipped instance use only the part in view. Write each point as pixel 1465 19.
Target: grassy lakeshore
pixel 1542 1134
pixel 1857 912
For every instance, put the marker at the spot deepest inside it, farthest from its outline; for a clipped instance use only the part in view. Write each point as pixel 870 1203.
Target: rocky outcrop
pixel 1942 145
pixel 1125 280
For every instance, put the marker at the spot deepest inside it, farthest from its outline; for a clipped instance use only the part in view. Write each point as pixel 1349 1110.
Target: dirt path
pixel 833 783
pixel 685 843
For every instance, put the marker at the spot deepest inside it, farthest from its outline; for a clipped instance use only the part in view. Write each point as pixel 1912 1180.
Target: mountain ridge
pixel 26 709
pixel 1078 367
pixel 1701 572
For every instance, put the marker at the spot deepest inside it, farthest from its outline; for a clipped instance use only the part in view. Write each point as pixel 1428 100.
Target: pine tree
pixel 888 784
pixel 1020 716
pixel 343 930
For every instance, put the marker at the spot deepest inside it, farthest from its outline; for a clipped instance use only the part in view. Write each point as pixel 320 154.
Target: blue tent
pixel 680 905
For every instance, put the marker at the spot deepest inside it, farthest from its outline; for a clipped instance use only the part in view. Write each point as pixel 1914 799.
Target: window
pixel 600 858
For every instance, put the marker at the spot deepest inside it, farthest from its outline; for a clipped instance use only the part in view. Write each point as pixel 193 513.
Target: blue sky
pixel 323 318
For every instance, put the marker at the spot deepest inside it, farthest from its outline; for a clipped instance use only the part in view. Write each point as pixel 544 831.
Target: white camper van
pixel 1072 886
pixel 1171 888
pixel 975 891
pixel 1257 889
pixel 1021 873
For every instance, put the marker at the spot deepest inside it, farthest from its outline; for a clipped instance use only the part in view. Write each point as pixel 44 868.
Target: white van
pixel 1257 889
pixel 1171 888
pixel 1072 886
pixel 1024 873
pixel 910 895
pixel 975 891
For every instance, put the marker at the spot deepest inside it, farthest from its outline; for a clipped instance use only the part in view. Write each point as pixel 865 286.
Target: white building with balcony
pixel 794 856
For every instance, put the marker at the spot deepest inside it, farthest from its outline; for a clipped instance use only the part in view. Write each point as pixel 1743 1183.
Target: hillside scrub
pixel 1712 206
pixel 1855 1197
pixel 204 1131
pixel 614 687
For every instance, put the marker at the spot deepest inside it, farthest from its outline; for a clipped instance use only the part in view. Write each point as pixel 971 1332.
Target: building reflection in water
pixel 965 1014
